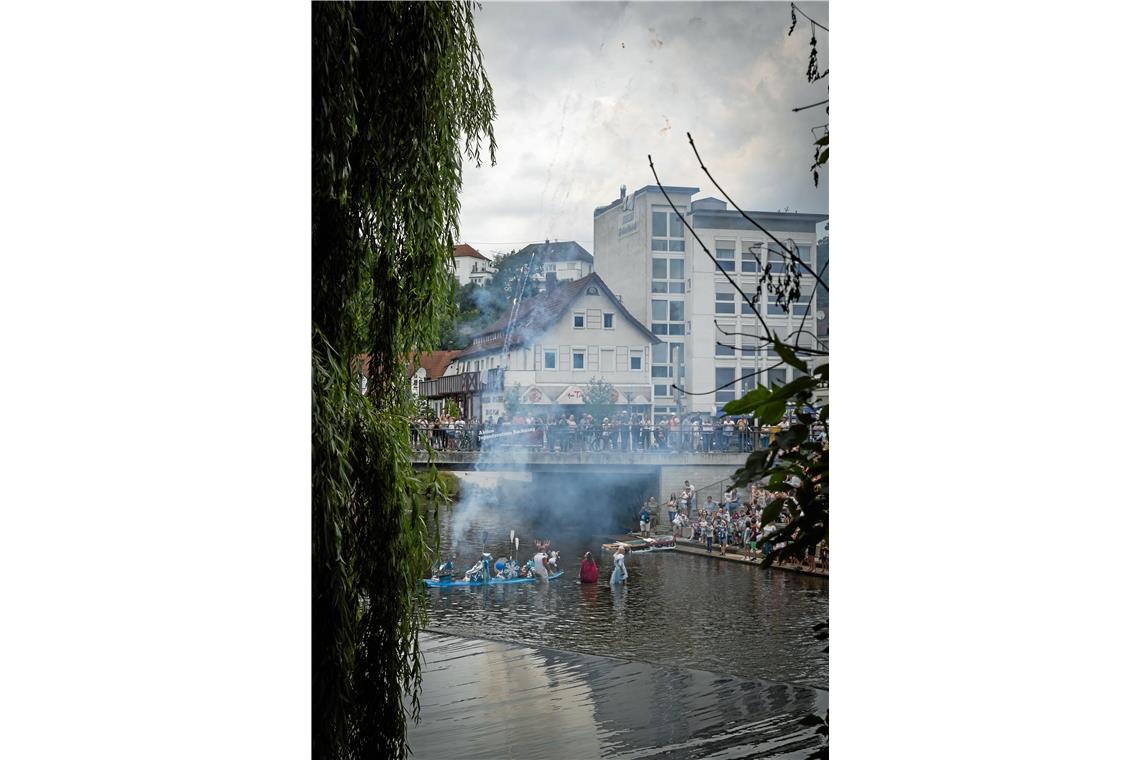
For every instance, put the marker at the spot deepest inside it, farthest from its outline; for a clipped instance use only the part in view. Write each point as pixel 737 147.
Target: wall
pixel 565 337
pixel 700 307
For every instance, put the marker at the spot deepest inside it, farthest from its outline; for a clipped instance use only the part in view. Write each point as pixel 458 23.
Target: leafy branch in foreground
pixel 813 76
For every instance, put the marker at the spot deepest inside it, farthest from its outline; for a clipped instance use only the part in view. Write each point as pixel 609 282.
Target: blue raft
pixel 432 583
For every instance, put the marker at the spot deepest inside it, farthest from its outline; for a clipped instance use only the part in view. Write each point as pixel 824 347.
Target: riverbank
pixel 697 548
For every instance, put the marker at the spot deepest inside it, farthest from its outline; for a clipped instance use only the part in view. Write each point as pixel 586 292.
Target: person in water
pixel 540 570
pixel 620 574
pixel 588 570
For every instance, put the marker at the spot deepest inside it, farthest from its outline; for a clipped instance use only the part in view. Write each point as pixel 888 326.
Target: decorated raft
pixel 642 544
pixel 439 583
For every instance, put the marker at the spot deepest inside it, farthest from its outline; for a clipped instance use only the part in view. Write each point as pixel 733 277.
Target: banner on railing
pixel 506 433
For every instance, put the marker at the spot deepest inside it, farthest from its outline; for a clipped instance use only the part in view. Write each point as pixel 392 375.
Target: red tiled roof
pixel 463 249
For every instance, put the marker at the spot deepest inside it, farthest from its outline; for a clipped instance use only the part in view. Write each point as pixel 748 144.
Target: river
pixel 692 658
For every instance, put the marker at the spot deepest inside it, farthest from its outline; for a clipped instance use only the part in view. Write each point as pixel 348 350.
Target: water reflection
pixel 497 700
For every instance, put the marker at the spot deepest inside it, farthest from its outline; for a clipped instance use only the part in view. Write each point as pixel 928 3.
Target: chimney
pixel 548 241
pixel 623 192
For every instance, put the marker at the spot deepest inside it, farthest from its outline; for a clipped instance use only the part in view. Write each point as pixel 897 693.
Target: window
pixel 664 357
pixel 579 360
pixel 591 291
pixel 726 256
pixel 608 321
pixel 726 303
pixel 579 321
pixel 775 309
pixel 668 231
pixel 668 317
pixel 777 377
pixel 802 305
pixel 550 358
pixel 606 358
pixel 724 350
pixel 750 253
pixel 804 253
pixel 660 390
pixel 550 268
pixel 776 257
pixel 726 376
pixel 635 361
pixel 668 275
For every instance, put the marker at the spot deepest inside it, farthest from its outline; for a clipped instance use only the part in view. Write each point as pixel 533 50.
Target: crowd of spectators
pixel 624 432
pixel 734 523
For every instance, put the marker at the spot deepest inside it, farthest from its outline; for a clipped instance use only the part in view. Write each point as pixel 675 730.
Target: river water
pixel 693 657
pixel 676 609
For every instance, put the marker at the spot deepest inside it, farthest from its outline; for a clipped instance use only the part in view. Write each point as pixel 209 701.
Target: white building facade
pixel 471 266
pixel 560 341
pixel 665 278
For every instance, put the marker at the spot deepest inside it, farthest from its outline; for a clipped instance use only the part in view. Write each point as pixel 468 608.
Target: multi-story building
pixel 556 343
pixel 665 278
pixel 470 265
pixel 565 260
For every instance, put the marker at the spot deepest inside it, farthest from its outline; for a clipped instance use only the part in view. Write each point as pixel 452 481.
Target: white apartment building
pixel 560 340
pixel 655 265
pixel 470 265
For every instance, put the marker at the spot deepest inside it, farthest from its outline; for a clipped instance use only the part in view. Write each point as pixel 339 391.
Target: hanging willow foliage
pixel 399 95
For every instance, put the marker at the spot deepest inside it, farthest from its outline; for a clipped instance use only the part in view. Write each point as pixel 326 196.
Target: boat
pixel 439 583
pixel 642 545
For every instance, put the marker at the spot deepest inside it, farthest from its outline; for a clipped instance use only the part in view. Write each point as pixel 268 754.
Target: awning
pixel 534 395
pixel 572 395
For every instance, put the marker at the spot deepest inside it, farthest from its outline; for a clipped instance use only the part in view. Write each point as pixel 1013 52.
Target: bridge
pixel 659 472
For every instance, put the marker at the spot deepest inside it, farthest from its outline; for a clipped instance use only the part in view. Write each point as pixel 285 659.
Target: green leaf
pixel 772 511
pixel 789 356
pixel 822 158
pixel 748 402
pixel 801 384
pixel 823 140
pixel 771 414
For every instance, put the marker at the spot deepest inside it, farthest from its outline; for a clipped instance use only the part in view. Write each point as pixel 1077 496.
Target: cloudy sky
pixel 585 91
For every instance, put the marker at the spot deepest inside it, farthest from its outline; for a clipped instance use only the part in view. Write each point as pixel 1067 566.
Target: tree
pixel 599 398
pixel 512 400
pixel 399 95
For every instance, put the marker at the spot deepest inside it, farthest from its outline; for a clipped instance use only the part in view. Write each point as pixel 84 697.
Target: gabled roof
pixel 463 250
pixel 434 363
pixel 567 250
pixel 538 313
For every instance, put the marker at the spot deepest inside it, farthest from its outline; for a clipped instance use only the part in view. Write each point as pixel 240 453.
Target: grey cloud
pixel 578 112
